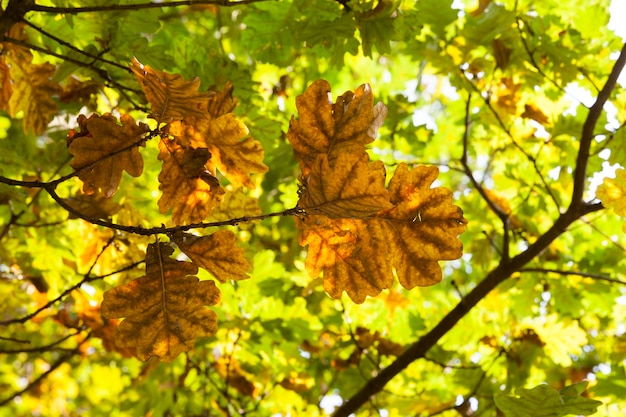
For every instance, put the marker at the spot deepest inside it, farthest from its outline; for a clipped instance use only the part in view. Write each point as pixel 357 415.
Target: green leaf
pixel 545 401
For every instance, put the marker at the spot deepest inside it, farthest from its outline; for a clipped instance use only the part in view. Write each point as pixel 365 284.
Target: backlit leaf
pixel 31 90
pixel 170 96
pixel 353 187
pixel 612 193
pixel 105 149
pixel 545 401
pixel 423 226
pixel 218 130
pixel 188 187
pixel 324 128
pixel 357 231
pixel 217 253
pixel 164 311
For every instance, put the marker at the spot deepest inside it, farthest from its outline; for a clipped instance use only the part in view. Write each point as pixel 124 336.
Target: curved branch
pixel 494 278
pixel 580 172
pixel 575 211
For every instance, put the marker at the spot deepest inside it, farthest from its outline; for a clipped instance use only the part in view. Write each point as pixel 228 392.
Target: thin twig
pixel 41 377
pixel 590 275
pixel 140 6
pixel 85 280
pixel 75 49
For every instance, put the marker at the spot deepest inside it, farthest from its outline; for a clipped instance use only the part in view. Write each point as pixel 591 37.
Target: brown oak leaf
pixel 217 129
pixel 352 187
pixel 357 255
pixel 171 97
pixel 164 311
pixel 188 187
pixel 103 149
pixel 335 130
pixel 32 90
pixel 422 227
pixel 357 231
pixel 217 253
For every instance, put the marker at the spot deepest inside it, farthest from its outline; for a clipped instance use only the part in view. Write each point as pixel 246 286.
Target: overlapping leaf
pixel 201 124
pixel 103 149
pixel 218 130
pixel 170 95
pixel 217 253
pixel 358 232
pixel 30 88
pixel 164 311
pixel 188 187
pixel 333 129
pixel 352 187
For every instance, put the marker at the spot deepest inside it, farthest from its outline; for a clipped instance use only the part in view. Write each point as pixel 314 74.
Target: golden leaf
pixel 6 88
pixel 353 187
pixel 218 130
pixel 236 204
pixel 422 227
pixel 31 91
pixel 105 149
pixel 324 128
pixel 188 187
pixel 170 96
pixel 164 310
pixel 612 193
pixel 507 95
pixel 356 230
pixel 329 241
pixel 217 253
pixel 229 369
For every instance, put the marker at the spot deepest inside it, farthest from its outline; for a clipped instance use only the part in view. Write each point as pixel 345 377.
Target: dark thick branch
pixel 493 279
pixel 576 210
pixel 580 171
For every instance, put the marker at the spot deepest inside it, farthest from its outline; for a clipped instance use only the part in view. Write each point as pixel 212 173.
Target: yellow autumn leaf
pixel 164 311
pixel 171 97
pixel 6 88
pixel 217 253
pixel 422 227
pixel 356 230
pixel 612 193
pixel 236 203
pixel 324 128
pixel 103 149
pixel 188 187
pixel 217 129
pixel 31 90
pixel 353 187
pixel 561 337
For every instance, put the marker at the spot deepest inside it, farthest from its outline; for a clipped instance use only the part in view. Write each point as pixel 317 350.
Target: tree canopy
pixel 320 207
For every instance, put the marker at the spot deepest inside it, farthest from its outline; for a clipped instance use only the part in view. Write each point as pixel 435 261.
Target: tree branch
pixel 493 279
pixel 52 368
pixel 85 280
pixel 575 211
pixel 598 277
pixel 580 172
pixel 140 6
